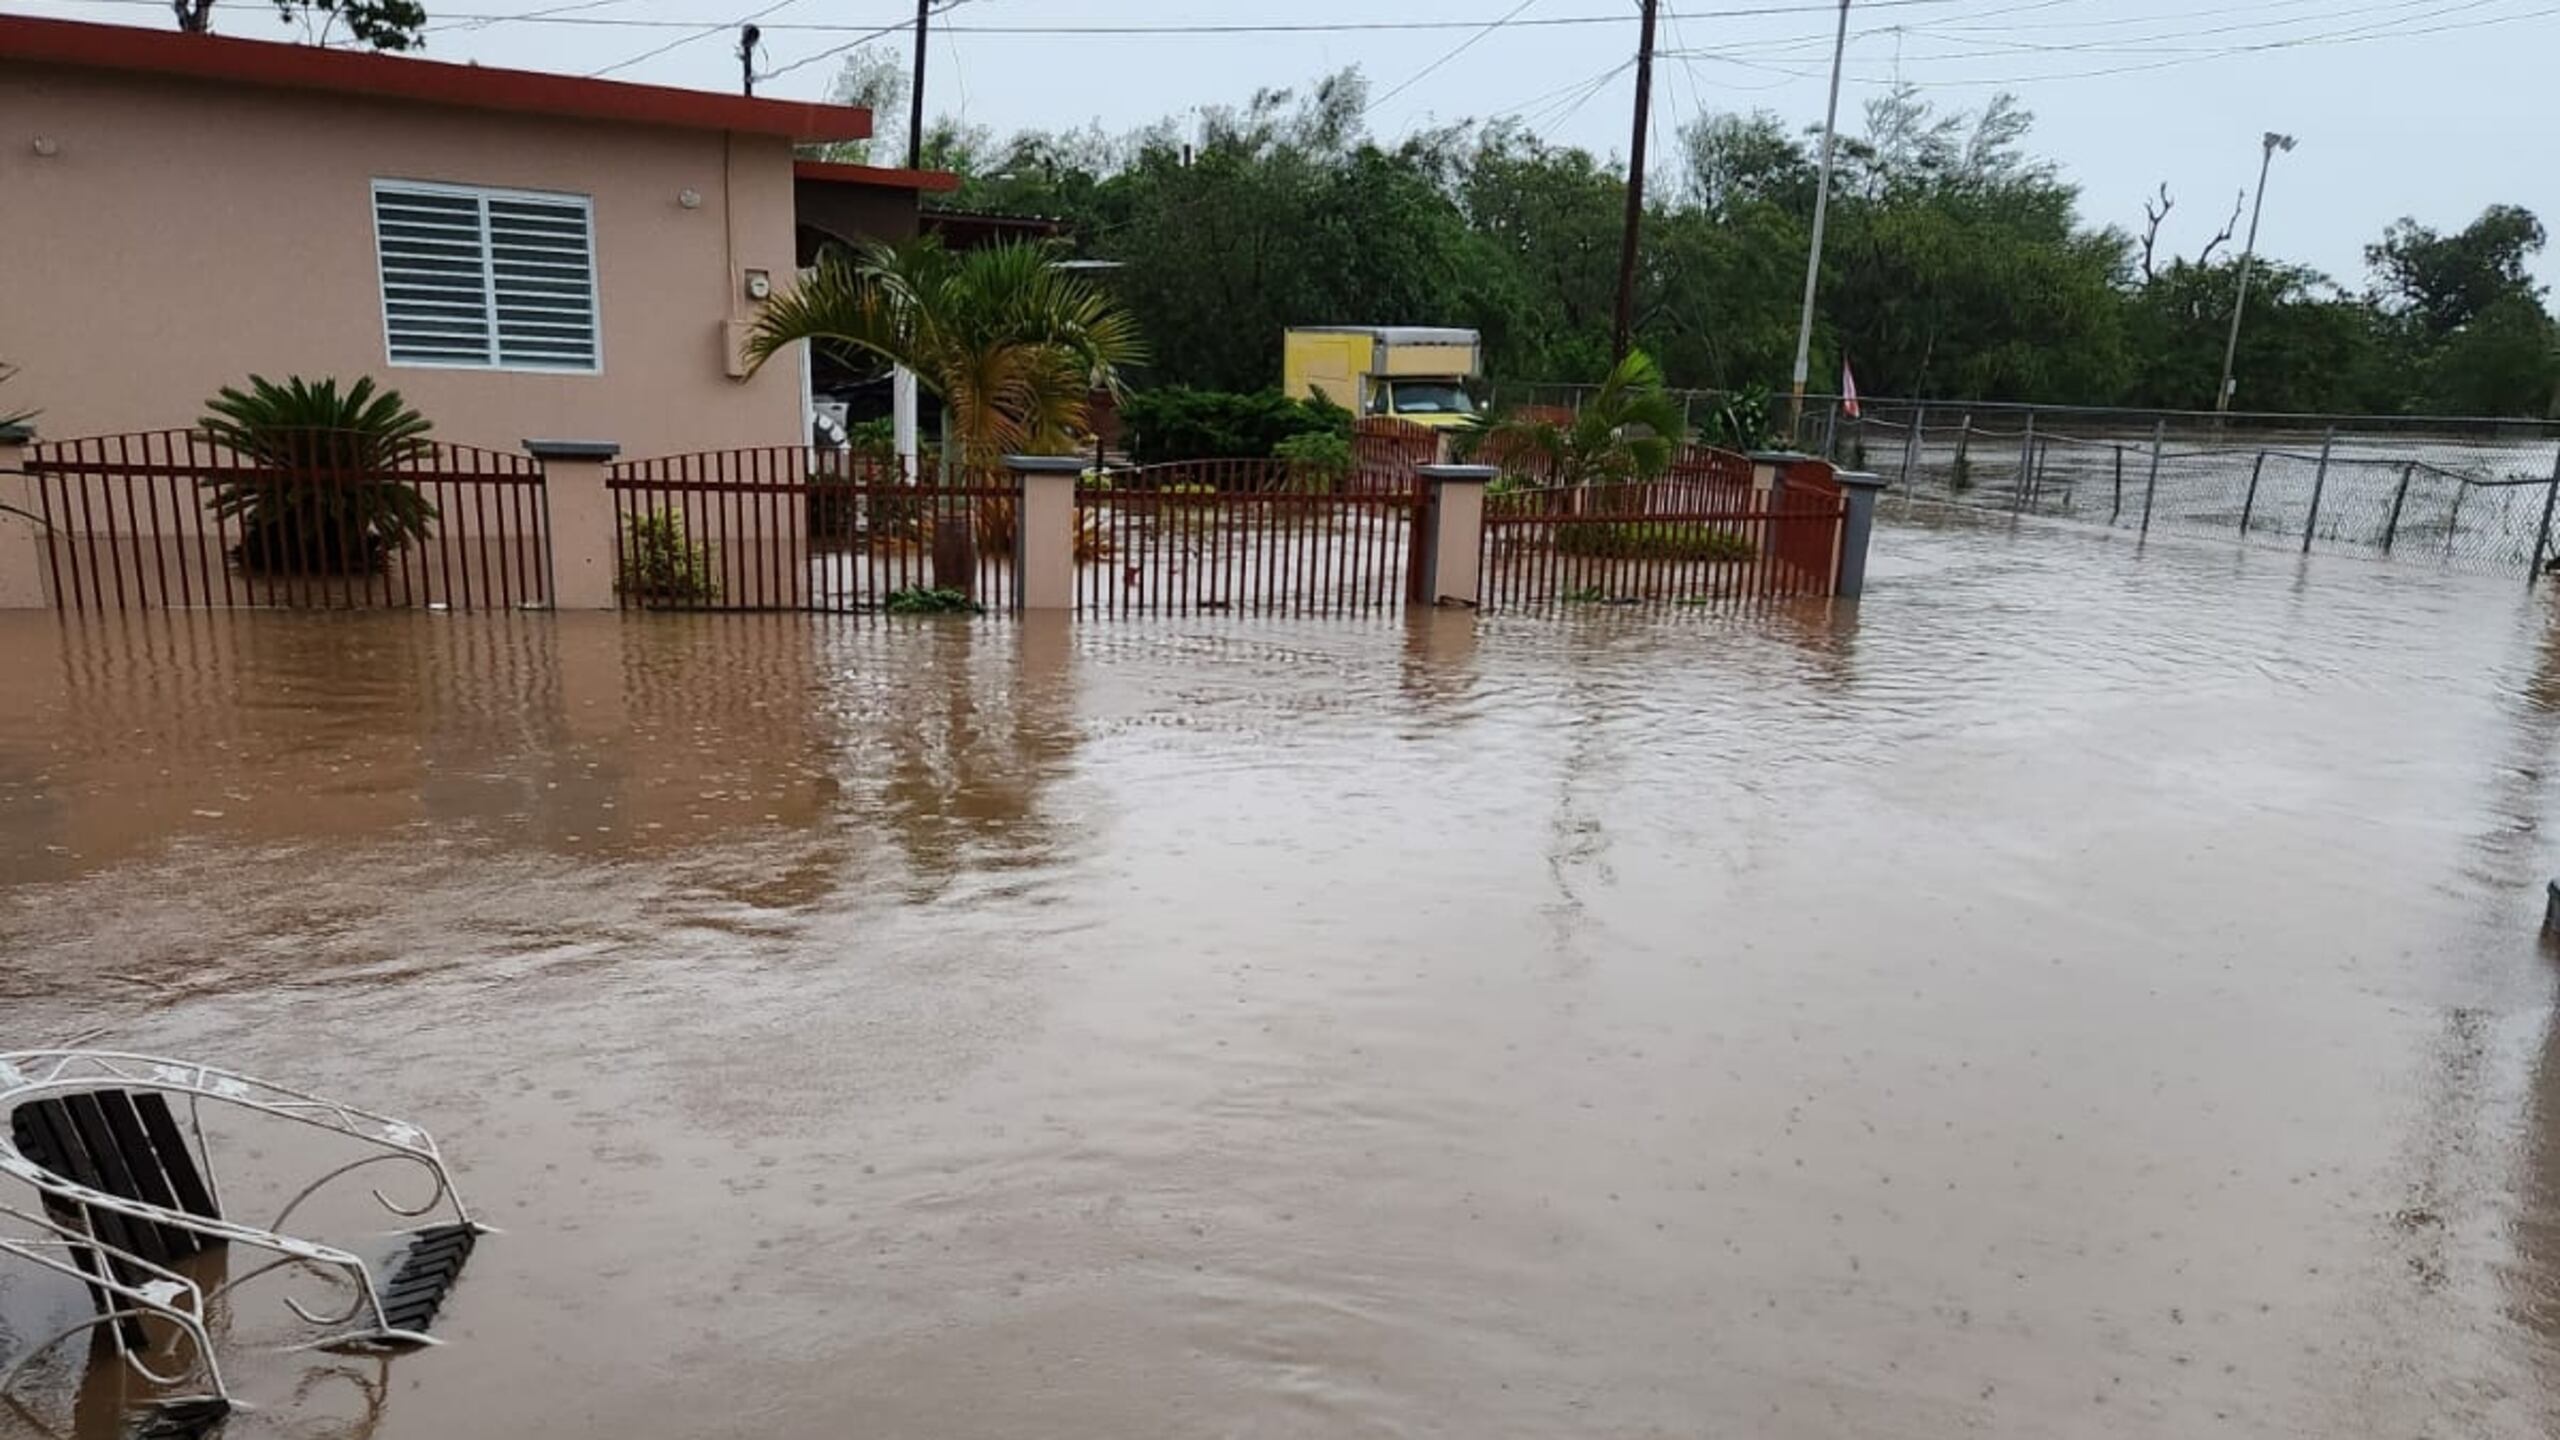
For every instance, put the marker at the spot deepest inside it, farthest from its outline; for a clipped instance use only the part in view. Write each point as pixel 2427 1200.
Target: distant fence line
pixel 2475 492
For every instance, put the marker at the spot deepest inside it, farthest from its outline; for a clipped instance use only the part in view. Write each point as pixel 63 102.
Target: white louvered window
pixel 492 279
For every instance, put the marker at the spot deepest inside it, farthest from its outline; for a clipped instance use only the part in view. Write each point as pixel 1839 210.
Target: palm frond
pixel 1004 336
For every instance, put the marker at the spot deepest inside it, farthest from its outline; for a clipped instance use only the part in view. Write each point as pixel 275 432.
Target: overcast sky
pixel 2431 108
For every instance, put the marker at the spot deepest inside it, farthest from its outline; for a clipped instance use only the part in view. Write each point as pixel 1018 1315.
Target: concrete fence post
pixel 1453 558
pixel 1858 492
pixel 586 553
pixel 1044 530
pixel 22 537
pixel 1768 473
pixel 1911 443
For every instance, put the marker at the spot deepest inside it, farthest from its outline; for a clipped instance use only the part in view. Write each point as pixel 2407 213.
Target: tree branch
pixel 2151 227
pixel 2228 226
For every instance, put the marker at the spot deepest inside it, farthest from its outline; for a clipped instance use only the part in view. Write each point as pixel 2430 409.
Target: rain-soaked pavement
pixel 2093 992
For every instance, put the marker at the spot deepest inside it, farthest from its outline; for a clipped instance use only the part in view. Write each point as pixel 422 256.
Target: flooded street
pixel 2092 992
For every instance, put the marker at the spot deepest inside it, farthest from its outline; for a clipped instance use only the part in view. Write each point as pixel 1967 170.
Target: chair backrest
pixel 127 1145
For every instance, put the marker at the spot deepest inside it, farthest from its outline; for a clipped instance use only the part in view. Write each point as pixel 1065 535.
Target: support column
pixel 585 554
pixel 1453 562
pixel 22 538
pixel 1858 490
pixel 1044 530
pixel 1768 473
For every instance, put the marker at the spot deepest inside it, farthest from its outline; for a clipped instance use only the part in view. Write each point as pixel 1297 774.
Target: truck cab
pixel 1416 373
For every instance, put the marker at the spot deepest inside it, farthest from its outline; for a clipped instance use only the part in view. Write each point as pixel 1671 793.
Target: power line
pixel 564 15
pixel 2188 57
pixel 857 41
pixel 1462 48
pixel 705 33
pixel 2150 44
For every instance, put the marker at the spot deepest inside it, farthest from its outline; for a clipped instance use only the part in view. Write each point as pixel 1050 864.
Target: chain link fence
pixel 2474 493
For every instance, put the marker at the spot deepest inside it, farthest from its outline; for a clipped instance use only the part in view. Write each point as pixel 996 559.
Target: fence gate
pixel 798 528
pixel 1682 540
pixel 173 519
pixel 1249 537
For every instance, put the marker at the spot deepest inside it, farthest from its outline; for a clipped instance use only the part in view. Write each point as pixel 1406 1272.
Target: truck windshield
pixel 1432 397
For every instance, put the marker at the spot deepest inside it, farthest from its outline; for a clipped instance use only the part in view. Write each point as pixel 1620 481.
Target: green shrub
pixel 660 566
pixel 1179 423
pixel 1318 459
pixel 875 440
pixel 923 600
pixel 1655 540
pixel 320 504
pixel 1740 421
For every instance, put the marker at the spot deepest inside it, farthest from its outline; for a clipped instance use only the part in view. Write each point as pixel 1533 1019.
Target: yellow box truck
pixel 1412 372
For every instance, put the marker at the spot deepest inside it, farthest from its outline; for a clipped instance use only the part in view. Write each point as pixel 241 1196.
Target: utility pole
pixel 915 98
pixel 1624 334
pixel 748 35
pixel 1821 213
pixel 2271 143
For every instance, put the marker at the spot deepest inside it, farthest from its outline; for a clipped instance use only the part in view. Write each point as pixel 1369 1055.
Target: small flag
pixel 1848 390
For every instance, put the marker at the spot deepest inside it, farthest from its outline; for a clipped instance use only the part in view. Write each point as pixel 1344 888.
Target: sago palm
pixel 1627 431
pixel 323 493
pixel 1007 338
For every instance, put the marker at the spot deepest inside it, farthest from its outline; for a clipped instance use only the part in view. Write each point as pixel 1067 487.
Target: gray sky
pixel 2431 108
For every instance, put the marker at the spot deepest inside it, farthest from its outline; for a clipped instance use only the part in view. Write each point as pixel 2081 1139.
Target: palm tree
pixel 1628 431
pixel 1010 340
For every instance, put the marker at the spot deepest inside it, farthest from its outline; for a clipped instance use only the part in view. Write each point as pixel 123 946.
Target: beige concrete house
pixel 520 254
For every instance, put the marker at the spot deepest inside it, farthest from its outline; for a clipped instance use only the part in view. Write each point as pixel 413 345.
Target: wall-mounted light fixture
pixel 689 198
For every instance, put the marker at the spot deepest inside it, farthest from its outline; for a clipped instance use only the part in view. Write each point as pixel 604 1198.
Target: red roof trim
pixel 478 87
pixel 837 174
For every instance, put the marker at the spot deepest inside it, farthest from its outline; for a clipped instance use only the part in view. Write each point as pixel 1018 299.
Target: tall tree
pixel 2444 281
pixel 876 80
pixel 382 24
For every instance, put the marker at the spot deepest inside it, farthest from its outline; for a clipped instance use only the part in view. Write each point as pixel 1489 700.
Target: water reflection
pixel 2084 989
pixel 579 735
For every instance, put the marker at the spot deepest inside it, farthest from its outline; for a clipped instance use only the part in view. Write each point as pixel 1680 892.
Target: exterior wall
pixel 183 235
pixel 843 212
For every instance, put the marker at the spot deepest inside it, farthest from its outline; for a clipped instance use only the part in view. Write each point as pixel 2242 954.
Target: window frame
pixel 483 194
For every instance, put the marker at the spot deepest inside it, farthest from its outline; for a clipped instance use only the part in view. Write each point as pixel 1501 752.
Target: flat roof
pixel 435 82
pixel 1398 334
pixel 832 172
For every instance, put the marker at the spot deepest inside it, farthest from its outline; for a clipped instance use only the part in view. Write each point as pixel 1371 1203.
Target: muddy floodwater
pixel 2092 992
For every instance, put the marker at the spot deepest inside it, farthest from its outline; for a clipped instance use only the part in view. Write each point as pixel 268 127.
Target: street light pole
pixel 2248 253
pixel 1821 213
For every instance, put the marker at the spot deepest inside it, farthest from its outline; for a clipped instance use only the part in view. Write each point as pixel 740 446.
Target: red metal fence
pixel 793 528
pixel 1809 487
pixel 1659 542
pixel 173 519
pixel 1384 452
pixel 1245 537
